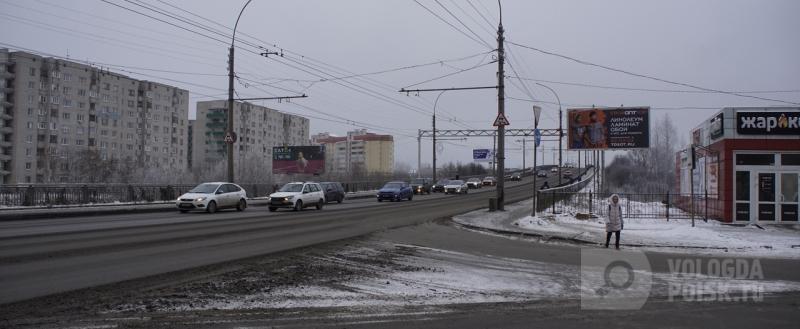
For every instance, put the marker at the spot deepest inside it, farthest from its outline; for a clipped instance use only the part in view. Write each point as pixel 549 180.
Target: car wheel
pixel 183 211
pixel 380 200
pixel 410 197
pixel 298 205
pixel 341 198
pixel 211 207
pixel 319 204
pixel 272 209
pixel 242 205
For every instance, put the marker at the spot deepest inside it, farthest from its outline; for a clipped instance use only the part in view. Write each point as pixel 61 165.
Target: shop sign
pixel 768 123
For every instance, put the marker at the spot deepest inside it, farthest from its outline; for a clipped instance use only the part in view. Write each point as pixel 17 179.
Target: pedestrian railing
pixel 634 205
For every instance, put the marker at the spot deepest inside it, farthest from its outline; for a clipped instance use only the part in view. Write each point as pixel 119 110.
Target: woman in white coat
pixel 614 223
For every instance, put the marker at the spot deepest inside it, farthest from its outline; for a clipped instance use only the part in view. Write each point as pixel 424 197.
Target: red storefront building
pixel 746 165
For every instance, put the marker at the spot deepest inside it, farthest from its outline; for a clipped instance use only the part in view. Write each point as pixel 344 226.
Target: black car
pixel 333 191
pixel 439 186
pixel 421 186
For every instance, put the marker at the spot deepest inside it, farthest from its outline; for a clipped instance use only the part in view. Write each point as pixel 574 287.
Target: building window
pixel 28 165
pixel 755 159
pixel 790 159
pixel 33 71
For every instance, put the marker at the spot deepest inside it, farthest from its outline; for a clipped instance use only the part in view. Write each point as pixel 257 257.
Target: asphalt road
pixel 43 257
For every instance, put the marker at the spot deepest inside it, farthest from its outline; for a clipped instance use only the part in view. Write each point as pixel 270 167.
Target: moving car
pixel 541 173
pixel 474 183
pixel 297 195
pixel 439 186
pixel 212 197
pixel 456 187
pixel 489 181
pixel 333 191
pixel 554 169
pixel 421 185
pixel 567 174
pixel 395 191
pixel 516 177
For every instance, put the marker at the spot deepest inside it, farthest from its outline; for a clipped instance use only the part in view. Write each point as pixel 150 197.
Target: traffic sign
pixel 501 120
pixel 230 137
pixel 537 137
pixel 537 110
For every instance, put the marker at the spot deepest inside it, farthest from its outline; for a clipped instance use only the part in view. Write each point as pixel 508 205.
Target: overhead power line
pixel 579 61
pixel 587 85
pixel 483 43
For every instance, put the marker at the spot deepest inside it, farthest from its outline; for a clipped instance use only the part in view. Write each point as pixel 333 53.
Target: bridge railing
pixel 46 195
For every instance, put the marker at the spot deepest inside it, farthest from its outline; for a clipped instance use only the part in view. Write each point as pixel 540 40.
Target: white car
pixel 297 196
pixel 554 169
pixel 456 187
pixel 212 197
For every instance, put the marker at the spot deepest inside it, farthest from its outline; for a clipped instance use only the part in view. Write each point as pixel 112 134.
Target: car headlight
pixel 200 199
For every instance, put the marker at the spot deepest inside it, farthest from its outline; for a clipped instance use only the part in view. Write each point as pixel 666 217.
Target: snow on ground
pixel 395 275
pixel 675 235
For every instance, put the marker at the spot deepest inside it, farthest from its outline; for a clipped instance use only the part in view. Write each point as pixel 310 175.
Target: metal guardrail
pixel 41 195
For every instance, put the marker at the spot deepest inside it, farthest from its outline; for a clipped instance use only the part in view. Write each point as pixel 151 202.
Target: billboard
pixel 608 128
pixel 768 123
pixel 298 159
pixel 482 155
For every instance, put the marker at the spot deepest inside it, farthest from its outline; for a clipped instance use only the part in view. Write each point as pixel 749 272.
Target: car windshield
pixel 442 182
pixel 393 185
pixel 291 187
pixel 456 182
pixel 490 177
pixel 474 180
pixel 204 188
pixel 418 181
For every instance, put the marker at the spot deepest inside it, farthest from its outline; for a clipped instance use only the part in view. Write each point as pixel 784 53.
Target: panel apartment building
pixel 257 128
pixel 54 109
pixel 359 151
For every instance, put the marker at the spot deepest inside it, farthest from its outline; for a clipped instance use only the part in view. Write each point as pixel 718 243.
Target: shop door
pixel 766 196
pixel 742 194
pixel 788 197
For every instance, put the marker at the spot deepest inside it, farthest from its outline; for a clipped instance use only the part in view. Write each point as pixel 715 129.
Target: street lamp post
pixel 560 129
pixel 536 139
pixel 433 177
pixel 230 135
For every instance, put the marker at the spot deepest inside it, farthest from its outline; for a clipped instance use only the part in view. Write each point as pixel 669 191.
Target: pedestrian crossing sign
pixel 501 120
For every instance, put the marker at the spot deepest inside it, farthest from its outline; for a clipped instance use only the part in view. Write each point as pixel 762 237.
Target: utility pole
pixel 419 154
pixel 501 129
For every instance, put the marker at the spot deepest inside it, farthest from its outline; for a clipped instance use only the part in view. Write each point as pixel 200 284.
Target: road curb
pixel 549 238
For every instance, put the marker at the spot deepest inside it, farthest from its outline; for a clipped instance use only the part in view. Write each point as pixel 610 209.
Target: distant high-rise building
pixel 258 129
pixel 57 112
pixel 358 152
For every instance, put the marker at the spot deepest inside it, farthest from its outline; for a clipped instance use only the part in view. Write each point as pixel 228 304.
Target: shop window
pixel 790 159
pixel 755 159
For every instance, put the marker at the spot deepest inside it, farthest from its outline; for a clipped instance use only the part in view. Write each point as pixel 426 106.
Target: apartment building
pixel 359 151
pixel 257 128
pixel 55 112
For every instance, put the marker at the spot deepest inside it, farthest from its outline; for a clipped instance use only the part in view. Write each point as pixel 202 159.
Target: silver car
pixel 212 197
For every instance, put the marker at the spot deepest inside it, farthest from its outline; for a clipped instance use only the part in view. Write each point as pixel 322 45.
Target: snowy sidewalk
pixel 675 235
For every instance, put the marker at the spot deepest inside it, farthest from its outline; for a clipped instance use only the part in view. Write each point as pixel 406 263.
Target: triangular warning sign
pixel 501 120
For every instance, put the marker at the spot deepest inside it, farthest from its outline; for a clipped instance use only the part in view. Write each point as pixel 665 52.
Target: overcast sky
pixel 724 45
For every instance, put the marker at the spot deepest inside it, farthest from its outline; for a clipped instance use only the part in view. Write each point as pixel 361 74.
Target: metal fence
pixel 664 205
pixel 39 195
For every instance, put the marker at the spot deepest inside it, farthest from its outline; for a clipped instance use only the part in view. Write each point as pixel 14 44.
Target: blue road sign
pixel 482 155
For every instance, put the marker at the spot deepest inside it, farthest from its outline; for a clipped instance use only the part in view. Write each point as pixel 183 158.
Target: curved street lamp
pixel 433 178
pixel 230 133
pixel 560 130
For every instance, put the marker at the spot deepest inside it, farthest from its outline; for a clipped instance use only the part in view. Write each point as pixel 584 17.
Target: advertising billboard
pixel 608 128
pixel 298 159
pixel 768 123
pixel 482 155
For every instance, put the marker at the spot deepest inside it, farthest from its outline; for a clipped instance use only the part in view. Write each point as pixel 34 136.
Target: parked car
pixel 212 197
pixel 474 183
pixel 516 177
pixel 395 191
pixel 298 195
pixel 456 187
pixel 333 191
pixel 489 181
pixel 421 185
pixel 541 173
pixel 439 186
